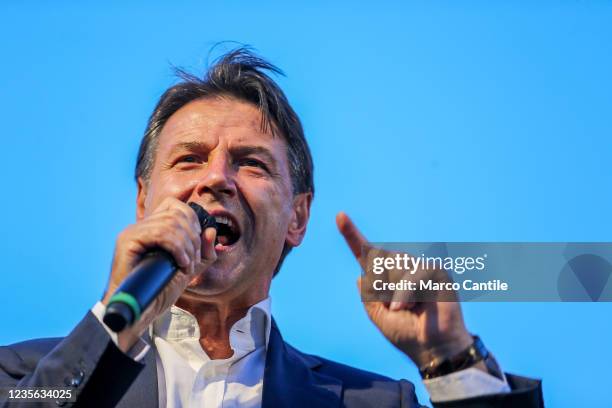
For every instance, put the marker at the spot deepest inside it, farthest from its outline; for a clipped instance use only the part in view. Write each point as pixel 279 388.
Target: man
pixel 232 143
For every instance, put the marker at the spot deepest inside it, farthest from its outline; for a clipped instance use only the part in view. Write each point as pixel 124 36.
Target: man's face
pixel 213 152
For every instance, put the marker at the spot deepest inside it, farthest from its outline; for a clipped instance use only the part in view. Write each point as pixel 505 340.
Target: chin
pixel 212 283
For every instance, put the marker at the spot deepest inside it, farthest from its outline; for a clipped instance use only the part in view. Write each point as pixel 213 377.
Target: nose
pixel 217 178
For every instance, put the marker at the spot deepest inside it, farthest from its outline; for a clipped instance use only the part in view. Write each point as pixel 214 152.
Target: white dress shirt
pixel 187 377
pixel 192 379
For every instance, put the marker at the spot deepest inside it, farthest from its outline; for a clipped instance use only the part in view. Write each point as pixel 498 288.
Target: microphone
pixel 146 281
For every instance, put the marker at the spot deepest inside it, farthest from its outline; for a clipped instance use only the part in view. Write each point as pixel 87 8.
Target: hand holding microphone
pixel 159 256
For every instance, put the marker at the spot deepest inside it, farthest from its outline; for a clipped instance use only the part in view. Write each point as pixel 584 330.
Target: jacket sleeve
pixel 86 360
pixel 525 393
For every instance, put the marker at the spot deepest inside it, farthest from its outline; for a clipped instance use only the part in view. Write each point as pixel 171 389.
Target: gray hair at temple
pixel 240 74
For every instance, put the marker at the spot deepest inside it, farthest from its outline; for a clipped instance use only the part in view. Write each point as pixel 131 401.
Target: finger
pixel 399 305
pixel 192 217
pixel 210 235
pixel 158 233
pixel 177 215
pixel 403 299
pixel 177 242
pixel 180 221
pixel 353 237
pixel 180 208
pixel 378 307
pixel 189 247
pixel 185 212
pixel 180 218
pixel 149 235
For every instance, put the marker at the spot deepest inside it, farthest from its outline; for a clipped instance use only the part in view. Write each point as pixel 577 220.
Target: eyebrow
pixel 191 146
pixel 242 151
pixel 239 151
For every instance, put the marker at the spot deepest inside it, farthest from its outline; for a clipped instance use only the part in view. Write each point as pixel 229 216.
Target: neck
pixel 215 319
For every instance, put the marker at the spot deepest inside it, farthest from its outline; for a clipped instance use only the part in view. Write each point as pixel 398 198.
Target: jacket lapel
pixel 290 378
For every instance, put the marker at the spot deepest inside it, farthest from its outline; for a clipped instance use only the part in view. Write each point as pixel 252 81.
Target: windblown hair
pixel 240 74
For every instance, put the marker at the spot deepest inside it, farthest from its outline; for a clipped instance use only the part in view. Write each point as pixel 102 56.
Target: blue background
pixel 427 122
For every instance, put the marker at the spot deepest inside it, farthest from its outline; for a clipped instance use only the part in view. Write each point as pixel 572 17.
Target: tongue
pixel 222 239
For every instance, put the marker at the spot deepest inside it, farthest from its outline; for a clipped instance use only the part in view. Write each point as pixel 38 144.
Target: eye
pixel 250 162
pixel 189 158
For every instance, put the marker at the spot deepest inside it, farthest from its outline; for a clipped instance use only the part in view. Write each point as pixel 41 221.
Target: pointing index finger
pixel 354 238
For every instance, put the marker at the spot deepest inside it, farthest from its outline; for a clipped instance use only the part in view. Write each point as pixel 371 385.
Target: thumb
pixel 210 236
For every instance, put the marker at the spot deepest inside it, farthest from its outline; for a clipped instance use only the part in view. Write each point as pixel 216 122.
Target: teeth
pixel 224 220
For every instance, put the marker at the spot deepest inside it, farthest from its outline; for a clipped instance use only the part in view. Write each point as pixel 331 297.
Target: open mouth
pixel 228 232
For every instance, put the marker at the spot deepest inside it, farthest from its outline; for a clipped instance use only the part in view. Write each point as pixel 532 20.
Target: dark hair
pixel 240 74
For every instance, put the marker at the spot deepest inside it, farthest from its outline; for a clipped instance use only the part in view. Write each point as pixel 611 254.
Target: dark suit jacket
pixel 102 375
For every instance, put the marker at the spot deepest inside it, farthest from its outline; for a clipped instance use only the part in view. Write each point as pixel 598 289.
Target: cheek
pixel 179 184
pixel 278 213
pixel 176 185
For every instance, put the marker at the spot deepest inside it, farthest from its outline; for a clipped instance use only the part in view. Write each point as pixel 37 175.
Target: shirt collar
pixel 250 332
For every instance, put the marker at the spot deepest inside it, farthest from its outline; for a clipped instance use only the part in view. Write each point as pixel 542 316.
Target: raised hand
pixel 425 331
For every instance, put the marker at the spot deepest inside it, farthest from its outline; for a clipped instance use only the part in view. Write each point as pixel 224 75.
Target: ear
pixel 141 198
pixel 299 219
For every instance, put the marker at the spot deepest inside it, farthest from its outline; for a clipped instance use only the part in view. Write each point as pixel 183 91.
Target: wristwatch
pixel 469 357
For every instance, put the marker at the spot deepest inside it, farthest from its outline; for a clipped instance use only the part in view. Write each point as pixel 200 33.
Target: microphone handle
pixel 137 292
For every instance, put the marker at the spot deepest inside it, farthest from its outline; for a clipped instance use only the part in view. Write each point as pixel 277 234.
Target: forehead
pixel 216 120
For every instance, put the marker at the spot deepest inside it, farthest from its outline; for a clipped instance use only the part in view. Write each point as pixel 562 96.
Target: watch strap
pixel 469 357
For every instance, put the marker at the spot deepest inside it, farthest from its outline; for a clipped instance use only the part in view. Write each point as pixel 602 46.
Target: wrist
pixel 434 354
pixel 125 341
pixel 475 355
pixel 131 335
